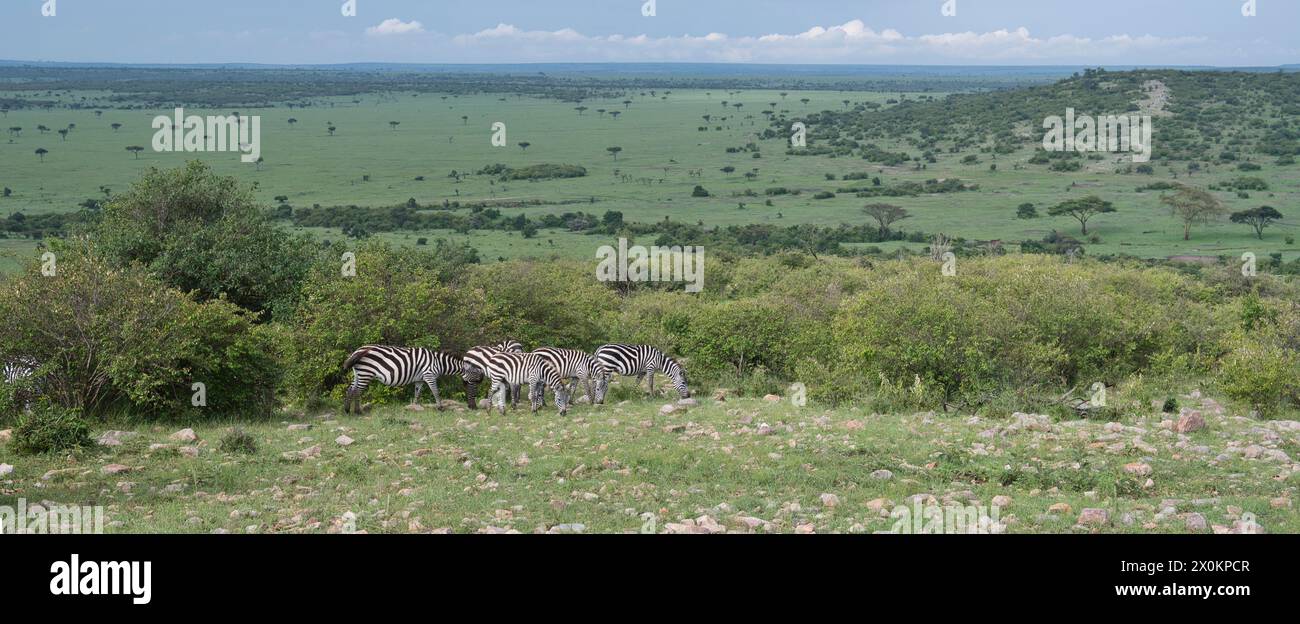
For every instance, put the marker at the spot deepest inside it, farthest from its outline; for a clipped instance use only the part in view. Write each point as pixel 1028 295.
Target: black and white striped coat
pixel 474 362
pixel 397 367
pixel 514 369
pixel 579 365
pixel 18 370
pixel 642 361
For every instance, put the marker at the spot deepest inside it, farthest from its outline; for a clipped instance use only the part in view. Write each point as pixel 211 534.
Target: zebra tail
pixel 352 359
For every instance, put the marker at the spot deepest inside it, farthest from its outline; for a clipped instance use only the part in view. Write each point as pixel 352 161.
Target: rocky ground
pixel 739 465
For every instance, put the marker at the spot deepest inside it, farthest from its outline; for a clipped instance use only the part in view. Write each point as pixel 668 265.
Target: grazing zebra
pixel 642 360
pixel 474 365
pixel 397 367
pixel 579 365
pixel 508 368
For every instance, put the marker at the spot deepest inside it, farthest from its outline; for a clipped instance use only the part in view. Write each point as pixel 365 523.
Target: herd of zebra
pixel 508 367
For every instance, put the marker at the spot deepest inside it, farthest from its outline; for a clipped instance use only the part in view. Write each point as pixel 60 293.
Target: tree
pixel 613 151
pixel 523 145
pixel 1258 218
pixel 135 149
pixel 1026 211
pixel 885 215
pixel 1191 206
pixel 465 119
pixel 393 125
pixel 331 129
pixel 41 152
pixel 115 126
pixel 292 121
pixel 1082 209
pixel 63 134
pixel 580 109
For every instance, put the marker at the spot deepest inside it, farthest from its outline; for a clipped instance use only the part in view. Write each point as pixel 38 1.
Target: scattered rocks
pixel 305 454
pixel 343 440
pixel 189 451
pixel 882 474
pixel 115 438
pixel 670 409
pixel 1061 508
pixel 571 528
pixel 113 469
pixel 1138 468
pixel 1001 500
pixel 1093 517
pixel 299 427
pixel 184 435
pixel 830 500
pixel 876 505
pixel 1195 522
pixel 1189 422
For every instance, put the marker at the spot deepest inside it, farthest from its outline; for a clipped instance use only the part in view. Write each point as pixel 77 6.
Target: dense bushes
pixel 50 429
pixel 112 339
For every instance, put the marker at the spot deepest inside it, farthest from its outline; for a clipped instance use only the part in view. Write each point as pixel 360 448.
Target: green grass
pixel 660 141
pixel 605 466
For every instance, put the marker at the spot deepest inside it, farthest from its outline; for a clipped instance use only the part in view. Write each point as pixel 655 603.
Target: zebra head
pixel 678 375
pixel 600 385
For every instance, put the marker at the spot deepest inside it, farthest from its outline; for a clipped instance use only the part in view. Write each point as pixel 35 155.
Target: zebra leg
pixel 416 400
pixel 651 374
pixel 536 392
pixel 432 381
pixel 591 397
pixel 514 395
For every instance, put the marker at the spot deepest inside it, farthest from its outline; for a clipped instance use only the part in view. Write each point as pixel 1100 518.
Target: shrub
pixel 119 339
pixel 1261 373
pixel 50 429
pixel 238 441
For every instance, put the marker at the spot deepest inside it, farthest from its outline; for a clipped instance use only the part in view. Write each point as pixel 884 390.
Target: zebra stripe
pixel 642 361
pixel 579 365
pixel 506 369
pixel 397 367
pixel 475 361
pixel 19 370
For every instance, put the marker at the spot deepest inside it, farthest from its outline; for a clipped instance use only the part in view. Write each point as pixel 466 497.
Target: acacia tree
pixel 523 145
pixel 115 126
pixel 1191 206
pixel 41 152
pixel 1082 209
pixel 1258 218
pixel 885 215
pixel 613 151
pixel 135 149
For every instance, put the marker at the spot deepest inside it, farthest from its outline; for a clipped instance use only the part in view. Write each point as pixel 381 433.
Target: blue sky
pixel 998 32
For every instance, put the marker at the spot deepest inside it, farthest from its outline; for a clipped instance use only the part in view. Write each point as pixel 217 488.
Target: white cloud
pixel 394 26
pixel 850 42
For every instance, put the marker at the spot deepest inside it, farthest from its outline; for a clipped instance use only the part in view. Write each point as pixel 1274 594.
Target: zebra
pixel 579 365
pixel 474 366
pixel 396 367
pixel 19 371
pixel 507 368
pixel 642 360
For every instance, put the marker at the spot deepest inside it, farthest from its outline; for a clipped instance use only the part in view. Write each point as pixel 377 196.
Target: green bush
pixel 1261 373
pixel 238 441
pixel 118 339
pixel 51 429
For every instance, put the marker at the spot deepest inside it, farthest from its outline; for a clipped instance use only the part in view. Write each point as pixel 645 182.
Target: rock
pixel 806 528
pixel 299 427
pixel 184 435
pixel 6 469
pixel 415 407
pixel 1280 502
pixel 189 451
pixel 1138 468
pixel 575 527
pixel 752 523
pixel 6 435
pixel 343 440
pixel 1254 451
pixel 1093 517
pixel 113 469
pixel 1189 422
pixel 830 500
pixel 687 402
pixel 882 474
pixel 1195 522
pixel 115 438
pixel 670 409
pixel 307 453
pixel 720 395
pixel 772 398
pixel 1001 500
pixel 878 504
pixel 677 428
pixel 764 429
pixel 1061 508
